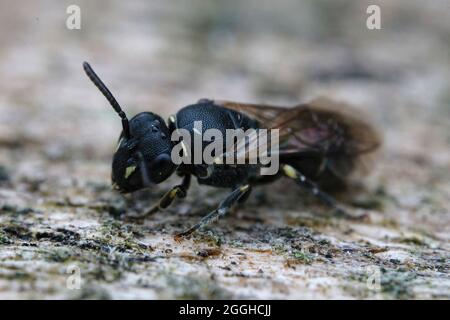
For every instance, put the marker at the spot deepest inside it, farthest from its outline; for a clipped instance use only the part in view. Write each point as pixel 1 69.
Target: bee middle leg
pixel 224 207
pixel 314 189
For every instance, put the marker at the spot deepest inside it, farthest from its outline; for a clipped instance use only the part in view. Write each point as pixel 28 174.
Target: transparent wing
pixel 328 132
pixel 244 148
pixel 264 114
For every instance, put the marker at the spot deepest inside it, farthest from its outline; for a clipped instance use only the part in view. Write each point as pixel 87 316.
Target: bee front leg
pixel 314 189
pixel 178 191
pixel 223 208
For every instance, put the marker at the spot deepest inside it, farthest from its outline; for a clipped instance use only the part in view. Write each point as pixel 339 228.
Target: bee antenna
pixel 108 95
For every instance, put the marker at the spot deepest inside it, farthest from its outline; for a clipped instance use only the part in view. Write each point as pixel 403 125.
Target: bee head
pixel 142 157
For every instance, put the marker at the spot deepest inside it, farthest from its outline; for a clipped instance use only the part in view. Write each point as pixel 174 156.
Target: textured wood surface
pixel 57 134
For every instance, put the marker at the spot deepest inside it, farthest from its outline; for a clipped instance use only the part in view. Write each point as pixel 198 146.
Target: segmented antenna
pixel 108 95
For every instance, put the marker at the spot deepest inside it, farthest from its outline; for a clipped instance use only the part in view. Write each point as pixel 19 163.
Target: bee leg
pixel 241 201
pixel 223 208
pixel 245 196
pixel 312 187
pixel 178 191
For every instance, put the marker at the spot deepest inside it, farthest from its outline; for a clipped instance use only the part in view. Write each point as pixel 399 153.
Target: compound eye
pixel 161 160
pixel 162 166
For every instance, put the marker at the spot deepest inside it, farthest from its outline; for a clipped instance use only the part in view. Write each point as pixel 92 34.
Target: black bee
pixel 320 145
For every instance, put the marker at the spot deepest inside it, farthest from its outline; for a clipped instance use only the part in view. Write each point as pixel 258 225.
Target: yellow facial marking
pixel 129 170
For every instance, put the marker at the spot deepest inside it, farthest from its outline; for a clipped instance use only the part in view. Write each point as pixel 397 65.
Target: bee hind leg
pixel 241 201
pixel 224 207
pixel 314 189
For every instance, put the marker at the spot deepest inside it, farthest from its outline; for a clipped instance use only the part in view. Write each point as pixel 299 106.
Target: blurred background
pixel 162 55
pixel 57 132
